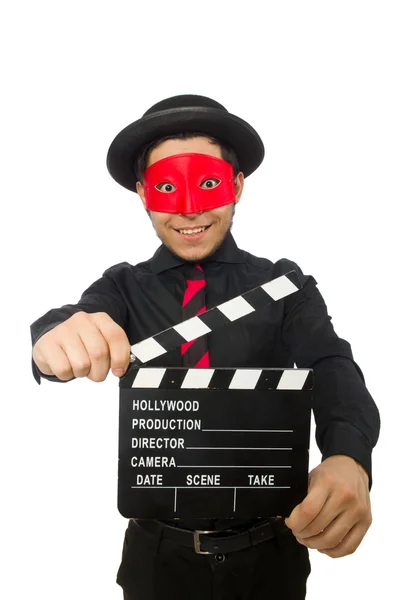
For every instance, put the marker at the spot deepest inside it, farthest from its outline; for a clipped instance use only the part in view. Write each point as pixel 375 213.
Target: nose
pixel 189 202
pixel 191 215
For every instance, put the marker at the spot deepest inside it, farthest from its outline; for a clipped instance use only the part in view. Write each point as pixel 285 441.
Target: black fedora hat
pixel 176 115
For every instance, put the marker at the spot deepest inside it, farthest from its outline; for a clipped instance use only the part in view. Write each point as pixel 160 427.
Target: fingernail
pixel 118 372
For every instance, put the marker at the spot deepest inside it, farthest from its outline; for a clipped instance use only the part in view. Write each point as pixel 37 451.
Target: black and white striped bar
pixel 232 379
pixel 215 318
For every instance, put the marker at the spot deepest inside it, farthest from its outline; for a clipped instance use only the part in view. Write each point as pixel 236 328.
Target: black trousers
pixel 156 569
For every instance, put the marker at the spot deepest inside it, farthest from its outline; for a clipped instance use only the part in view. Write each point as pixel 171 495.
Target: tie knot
pixel 195 272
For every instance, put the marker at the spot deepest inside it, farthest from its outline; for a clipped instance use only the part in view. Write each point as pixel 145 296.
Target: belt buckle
pixel 196 539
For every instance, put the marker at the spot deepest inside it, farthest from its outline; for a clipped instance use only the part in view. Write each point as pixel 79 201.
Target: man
pixel 187 158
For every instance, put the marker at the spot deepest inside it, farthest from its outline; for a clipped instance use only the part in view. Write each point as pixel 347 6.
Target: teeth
pixel 192 231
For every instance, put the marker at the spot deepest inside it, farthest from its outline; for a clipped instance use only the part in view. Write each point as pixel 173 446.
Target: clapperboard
pixel 213 443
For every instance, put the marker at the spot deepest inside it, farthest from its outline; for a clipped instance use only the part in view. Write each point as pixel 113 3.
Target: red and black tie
pixel 195 353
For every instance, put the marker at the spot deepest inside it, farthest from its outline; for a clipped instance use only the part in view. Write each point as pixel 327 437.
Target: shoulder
pixel 275 269
pixel 284 265
pixel 125 268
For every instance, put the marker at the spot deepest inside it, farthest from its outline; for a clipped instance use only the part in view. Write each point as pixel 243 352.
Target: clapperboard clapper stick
pixel 213 443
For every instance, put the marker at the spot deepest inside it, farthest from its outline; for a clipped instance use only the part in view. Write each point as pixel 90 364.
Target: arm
pixel 102 296
pixel 347 419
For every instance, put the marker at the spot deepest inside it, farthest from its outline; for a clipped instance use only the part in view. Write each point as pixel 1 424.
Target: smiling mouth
pixel 192 230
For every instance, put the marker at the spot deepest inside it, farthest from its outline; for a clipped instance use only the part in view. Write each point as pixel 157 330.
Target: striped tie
pixel 195 353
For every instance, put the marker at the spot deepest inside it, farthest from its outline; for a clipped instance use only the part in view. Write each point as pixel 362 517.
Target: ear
pixel 141 193
pixel 239 186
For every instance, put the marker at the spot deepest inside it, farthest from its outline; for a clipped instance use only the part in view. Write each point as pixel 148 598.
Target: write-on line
pixel 238 448
pixel 254 430
pixel 234 466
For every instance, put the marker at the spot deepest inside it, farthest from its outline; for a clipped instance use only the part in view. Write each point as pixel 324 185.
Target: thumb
pixel 118 372
pixel 120 369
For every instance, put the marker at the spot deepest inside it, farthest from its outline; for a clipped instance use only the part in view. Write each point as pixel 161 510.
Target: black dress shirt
pixel 147 298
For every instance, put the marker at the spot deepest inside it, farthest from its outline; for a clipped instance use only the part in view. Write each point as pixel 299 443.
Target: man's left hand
pixel 336 513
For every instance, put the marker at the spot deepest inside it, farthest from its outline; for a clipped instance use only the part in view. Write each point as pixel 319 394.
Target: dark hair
pixel 227 152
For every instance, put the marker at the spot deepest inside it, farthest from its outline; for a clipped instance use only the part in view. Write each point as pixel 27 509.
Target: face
pixel 174 229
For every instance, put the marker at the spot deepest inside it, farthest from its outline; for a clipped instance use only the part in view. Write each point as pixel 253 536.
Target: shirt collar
pixel 228 252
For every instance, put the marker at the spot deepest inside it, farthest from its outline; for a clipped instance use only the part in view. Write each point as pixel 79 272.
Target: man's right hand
pixel 85 345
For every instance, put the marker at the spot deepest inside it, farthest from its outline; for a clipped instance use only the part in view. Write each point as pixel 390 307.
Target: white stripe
pixel 147 349
pixel 279 287
pixel 197 378
pixel 245 379
pixel 293 379
pixel 148 378
pixel 236 308
pixel 192 329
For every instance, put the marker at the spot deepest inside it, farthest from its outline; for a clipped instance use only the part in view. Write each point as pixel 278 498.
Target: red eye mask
pixel 188 183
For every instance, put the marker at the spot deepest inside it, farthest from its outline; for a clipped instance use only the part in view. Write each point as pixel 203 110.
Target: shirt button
pixel 219 557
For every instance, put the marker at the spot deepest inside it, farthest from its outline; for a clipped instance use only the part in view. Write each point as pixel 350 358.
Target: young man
pixel 187 158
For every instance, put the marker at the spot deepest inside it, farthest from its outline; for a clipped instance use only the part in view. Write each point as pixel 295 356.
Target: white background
pixel 317 81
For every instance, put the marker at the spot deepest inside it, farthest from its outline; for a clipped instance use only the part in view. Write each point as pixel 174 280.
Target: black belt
pixel 204 542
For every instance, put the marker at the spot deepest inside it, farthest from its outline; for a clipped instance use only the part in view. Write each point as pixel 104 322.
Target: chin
pixel 190 254
pixel 194 255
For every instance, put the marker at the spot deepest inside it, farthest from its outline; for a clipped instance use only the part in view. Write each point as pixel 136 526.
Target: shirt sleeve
pixel 347 418
pixel 102 296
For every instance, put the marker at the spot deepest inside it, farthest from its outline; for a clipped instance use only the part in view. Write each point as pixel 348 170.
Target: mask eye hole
pixel 209 184
pixel 166 187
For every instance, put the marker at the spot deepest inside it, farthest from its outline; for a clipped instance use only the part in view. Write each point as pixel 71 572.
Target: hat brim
pixel 224 126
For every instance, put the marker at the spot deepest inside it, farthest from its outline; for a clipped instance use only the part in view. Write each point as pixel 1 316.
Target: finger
pixel 328 514
pixel 76 353
pixel 40 360
pixel 348 544
pixel 308 510
pixel 118 344
pixel 97 350
pixel 333 534
pixel 58 363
